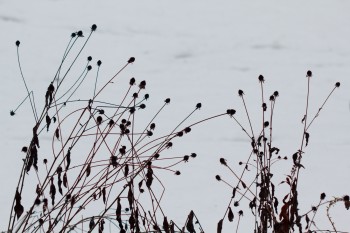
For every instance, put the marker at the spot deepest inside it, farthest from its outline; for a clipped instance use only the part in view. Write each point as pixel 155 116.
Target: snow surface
pixel 196 51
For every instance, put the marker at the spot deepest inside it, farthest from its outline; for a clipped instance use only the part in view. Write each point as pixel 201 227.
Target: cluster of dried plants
pixel 273 213
pixel 102 170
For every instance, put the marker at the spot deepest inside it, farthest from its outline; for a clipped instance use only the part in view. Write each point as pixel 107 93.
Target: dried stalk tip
pixel 337 84
pixel 177 173
pixel 261 78
pixel 89 67
pixel 167 100
pixel 193 155
pixel 223 161
pixel 93 27
pixel 142 84
pixel 73 35
pixel 24 149
pixel 323 196
pixel 89 58
pixel 240 93
pixel 276 93
pixel 131 60
pixel 198 106
pixel 231 112
pixel 309 73
pixel 218 177
pixel 99 62
pixel 80 33
pixel 18 43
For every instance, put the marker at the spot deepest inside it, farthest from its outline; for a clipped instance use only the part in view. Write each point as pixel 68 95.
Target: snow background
pixel 196 51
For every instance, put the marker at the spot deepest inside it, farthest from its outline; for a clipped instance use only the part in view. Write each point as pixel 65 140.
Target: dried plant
pixel 104 170
pixel 272 213
pixel 103 166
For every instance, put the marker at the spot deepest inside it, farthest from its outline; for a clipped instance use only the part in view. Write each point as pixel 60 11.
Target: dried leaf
pixel 65 180
pixel 104 195
pixel 57 134
pixel 189 224
pixel 219 229
pixel 130 197
pixel 230 214
pixel 68 159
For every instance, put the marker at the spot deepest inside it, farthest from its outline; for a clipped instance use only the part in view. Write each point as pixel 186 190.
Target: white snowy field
pixel 196 51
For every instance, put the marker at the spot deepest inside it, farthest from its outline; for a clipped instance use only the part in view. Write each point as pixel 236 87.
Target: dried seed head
pixel 146 96
pixel 186 157
pixel 73 35
pixel 18 43
pixel 240 93
pixel 142 84
pixel 132 81
pixel 123 121
pixel 149 133
pixel 266 124
pixel 346 198
pixel 89 67
pixel 218 177
pixel 24 149
pixel 80 33
pixel 276 93
pixel 45 161
pixel 309 73
pixel 111 123
pixel 198 106
pixel 153 126
pixel 240 163
pixel 127 131
pixel 323 196
pixel 142 106
pixel 314 208
pixel 135 95
pixel 272 98
pixel 187 129
pixel 193 155
pixel 231 112
pixel 223 161
pixel 167 100
pixel 180 134
pixel 170 144
pixel 37 201
pixel 93 27
pixel 131 60
pixel 156 156
pixel 261 78
pixel 236 203
pixel 99 62
pixel 132 110
pixel 12 113
pixel 101 111
pixel 89 58
pixel 240 213
pixel 128 123
pixel 337 84
pixel 99 120
pixel 177 173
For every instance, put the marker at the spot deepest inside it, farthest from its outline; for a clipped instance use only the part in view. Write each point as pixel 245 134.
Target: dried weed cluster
pixel 102 170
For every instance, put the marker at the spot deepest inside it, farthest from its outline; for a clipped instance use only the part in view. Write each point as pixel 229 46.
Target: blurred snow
pixel 196 51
